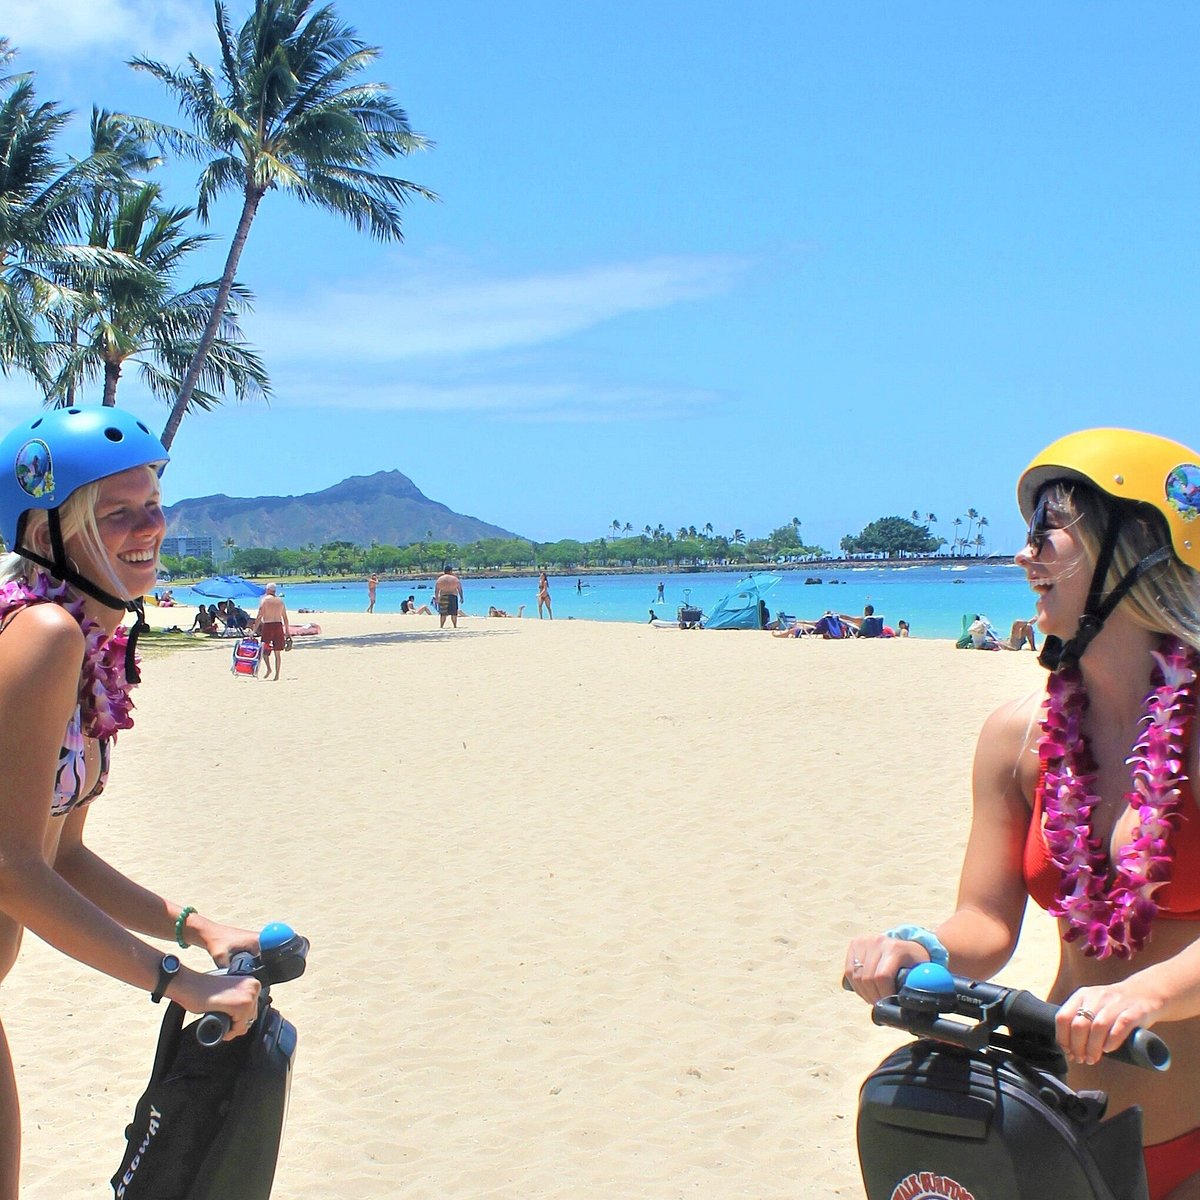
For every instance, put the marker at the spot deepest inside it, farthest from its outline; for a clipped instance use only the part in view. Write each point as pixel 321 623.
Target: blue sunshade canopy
pixel 228 587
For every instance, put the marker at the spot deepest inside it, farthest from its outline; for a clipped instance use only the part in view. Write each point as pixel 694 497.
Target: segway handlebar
pixel 929 996
pixel 282 957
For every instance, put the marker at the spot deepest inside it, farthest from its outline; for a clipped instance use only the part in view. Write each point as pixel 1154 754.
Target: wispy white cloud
pixel 578 400
pixel 429 315
pixel 165 29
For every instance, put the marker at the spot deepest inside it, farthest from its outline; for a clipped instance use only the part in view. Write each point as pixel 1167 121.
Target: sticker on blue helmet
pixel 35 472
pixel 1183 491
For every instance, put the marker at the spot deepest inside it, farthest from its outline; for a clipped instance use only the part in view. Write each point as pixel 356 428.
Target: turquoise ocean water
pixel 932 599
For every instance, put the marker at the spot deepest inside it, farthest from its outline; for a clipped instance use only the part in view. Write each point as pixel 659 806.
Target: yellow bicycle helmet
pixel 1127 465
pixel 1132 469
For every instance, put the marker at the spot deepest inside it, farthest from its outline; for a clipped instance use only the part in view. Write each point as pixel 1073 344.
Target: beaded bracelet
pixel 179 921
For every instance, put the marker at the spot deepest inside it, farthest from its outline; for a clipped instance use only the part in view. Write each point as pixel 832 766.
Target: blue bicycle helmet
pixel 47 458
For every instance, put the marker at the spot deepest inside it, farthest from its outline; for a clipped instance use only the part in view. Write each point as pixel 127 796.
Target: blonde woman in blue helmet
pixel 1084 797
pixel 79 508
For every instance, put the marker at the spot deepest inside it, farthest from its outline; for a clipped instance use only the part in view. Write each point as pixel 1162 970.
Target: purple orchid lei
pixel 1116 917
pixel 105 706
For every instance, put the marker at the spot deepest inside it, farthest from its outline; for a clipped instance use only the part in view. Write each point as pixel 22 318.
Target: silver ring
pixel 1086 1014
pixel 857 964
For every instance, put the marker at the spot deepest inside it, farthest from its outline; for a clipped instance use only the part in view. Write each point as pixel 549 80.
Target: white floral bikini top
pixel 71 777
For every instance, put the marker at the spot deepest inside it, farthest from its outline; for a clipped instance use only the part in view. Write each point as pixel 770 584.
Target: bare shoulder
pixel 1007 748
pixel 41 652
pixel 42 633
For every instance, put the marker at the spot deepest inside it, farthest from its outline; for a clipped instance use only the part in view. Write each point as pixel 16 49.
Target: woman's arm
pixel 41 657
pixel 982 932
pixel 136 907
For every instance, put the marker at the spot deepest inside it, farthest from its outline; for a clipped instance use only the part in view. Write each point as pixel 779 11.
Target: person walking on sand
pixel 85 548
pixel 372 584
pixel 271 625
pixel 544 597
pixel 1085 797
pixel 447 597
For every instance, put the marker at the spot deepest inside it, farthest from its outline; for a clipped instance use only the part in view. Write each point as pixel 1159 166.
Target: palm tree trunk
pixel 249 208
pixel 112 376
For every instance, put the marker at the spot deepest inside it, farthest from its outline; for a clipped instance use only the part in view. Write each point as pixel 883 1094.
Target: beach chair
pixel 870 627
pixel 247 655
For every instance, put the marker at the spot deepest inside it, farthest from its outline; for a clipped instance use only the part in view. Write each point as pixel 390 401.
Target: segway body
pixel 942 1121
pixel 969 1112
pixel 210 1122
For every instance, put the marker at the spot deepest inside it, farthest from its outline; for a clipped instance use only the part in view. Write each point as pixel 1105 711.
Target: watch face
pixel 170 963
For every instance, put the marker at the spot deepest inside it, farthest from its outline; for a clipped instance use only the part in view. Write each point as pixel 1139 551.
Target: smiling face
pixel 130 522
pixel 1056 564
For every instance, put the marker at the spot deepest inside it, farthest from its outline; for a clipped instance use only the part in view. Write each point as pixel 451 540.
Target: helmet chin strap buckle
pixel 1056 653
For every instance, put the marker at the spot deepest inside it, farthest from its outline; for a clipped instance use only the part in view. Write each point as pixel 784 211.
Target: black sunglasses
pixel 1039 525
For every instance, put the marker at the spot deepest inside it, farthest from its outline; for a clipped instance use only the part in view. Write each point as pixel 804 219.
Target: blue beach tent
pixel 744 607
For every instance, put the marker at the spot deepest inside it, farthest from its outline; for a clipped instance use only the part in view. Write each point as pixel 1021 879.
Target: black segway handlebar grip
pixel 1142 1048
pixel 213 1026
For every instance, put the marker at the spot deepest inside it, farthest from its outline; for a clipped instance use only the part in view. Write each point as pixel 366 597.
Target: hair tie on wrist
pixel 923 937
pixel 179 921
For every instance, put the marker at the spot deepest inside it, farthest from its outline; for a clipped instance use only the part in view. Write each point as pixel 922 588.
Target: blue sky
pixel 698 262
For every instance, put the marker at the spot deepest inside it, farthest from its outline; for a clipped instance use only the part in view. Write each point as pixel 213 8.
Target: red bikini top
pixel 1178 900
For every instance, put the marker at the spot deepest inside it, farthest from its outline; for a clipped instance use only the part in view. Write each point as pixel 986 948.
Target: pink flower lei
pixel 1113 907
pixel 105 706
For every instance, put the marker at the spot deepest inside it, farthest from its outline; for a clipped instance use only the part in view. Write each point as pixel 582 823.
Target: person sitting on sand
pixel 205 621
pixel 1021 636
pixel 902 629
pixel 409 607
pixel 1085 795
pixel 493 611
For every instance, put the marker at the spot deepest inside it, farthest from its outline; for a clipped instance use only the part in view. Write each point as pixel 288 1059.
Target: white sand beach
pixel 578 897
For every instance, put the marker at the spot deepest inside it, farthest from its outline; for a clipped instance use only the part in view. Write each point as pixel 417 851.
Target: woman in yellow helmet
pixel 1083 797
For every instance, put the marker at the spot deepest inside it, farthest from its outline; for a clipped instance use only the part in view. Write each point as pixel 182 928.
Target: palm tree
pixel 285 111
pixel 138 318
pixel 628 527
pixel 39 221
pixel 972 517
pixel 616 527
pixel 956 543
pixel 708 529
pixel 738 538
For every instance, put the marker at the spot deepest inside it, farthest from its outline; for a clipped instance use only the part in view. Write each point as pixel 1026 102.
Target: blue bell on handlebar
pixel 282 952
pixel 927 988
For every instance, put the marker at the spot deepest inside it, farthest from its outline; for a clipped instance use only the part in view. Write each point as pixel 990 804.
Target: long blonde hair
pixel 1166 599
pixel 77 519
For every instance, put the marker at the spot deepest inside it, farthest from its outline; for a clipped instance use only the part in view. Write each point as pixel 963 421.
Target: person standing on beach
pixel 271 625
pixel 661 597
pixel 543 596
pixel 447 597
pixel 372 584
pixel 85 548
pixel 1085 799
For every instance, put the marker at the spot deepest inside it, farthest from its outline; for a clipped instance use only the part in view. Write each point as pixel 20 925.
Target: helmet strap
pixel 60 568
pixel 1057 654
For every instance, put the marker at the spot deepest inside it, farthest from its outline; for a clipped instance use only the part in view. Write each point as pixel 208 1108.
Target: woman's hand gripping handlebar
pixel 282 957
pixel 929 996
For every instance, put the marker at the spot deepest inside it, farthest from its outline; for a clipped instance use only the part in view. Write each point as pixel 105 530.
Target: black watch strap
pixel 167 970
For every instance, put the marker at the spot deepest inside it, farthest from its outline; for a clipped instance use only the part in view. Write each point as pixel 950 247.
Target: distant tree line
pixel 688 546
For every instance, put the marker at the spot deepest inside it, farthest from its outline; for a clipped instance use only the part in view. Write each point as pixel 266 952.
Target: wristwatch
pixel 167 970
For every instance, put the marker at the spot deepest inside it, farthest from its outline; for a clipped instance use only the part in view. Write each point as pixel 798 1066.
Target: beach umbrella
pixel 228 587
